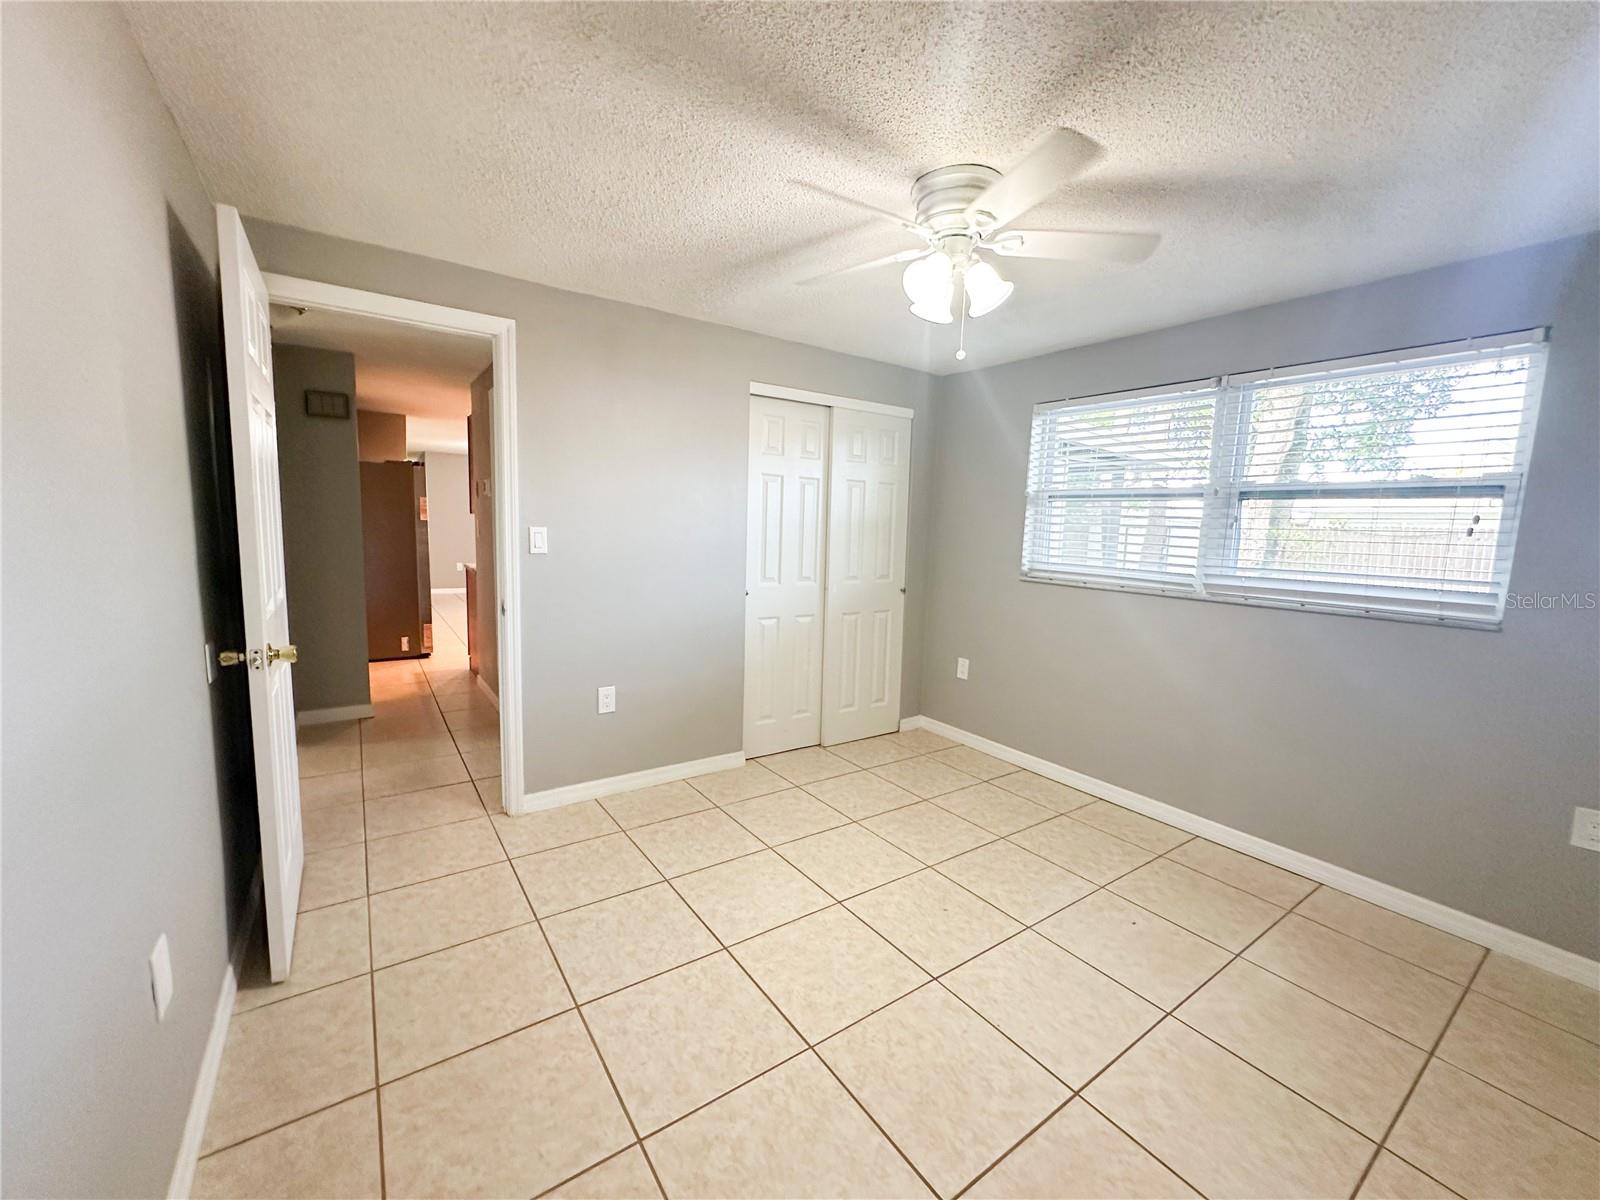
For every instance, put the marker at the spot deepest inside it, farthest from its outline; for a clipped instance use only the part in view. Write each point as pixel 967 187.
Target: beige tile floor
pixel 885 969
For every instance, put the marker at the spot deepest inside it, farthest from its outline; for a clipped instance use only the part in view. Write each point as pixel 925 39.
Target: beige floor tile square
pixel 998 811
pixel 333 876
pixel 791 1132
pixel 922 741
pixel 1551 998
pixel 848 860
pixel 1082 849
pixel 323 791
pixel 475 718
pixel 1479 1141
pixel 674 1042
pixel 1555 1071
pixel 1069 1016
pixel 510 1118
pixel 482 762
pixel 701 839
pixel 625 1176
pixel 416 747
pixel 738 783
pixel 1273 884
pixel 328 749
pixel 1201 904
pixel 934 922
pixel 1131 826
pixel 291 1058
pixel 1387 991
pixel 927 832
pixel 1433 949
pixel 616 942
pixel 1394 1178
pixel 860 794
pixel 425 917
pixel 807 765
pixel 972 762
pixel 330 1153
pixel 428 853
pixel 1016 881
pixel 489 793
pixel 418 776
pixel 827 970
pixel 583 872
pixel 874 751
pixel 784 816
pixel 433 1007
pixel 411 811
pixel 1048 792
pixel 1350 1067
pixel 1222 1125
pixel 750 895
pixel 330 945
pixel 333 826
pixel 661 802
pixel 924 777
pixel 1161 961
pixel 553 827
pixel 1079 1155
pixel 948 1090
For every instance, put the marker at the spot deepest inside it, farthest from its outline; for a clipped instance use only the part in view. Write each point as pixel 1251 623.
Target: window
pixel 1384 486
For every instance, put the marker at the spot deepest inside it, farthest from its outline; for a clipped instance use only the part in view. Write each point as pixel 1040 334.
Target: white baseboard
pixel 488 691
pixel 1419 908
pixel 205 1085
pixel 460 591
pixel 573 793
pixel 327 716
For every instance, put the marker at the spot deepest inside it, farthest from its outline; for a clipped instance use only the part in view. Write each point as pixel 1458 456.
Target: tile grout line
pixel 372 969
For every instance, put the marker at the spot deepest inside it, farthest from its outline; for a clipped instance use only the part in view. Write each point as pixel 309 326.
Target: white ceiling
pixel 400 368
pixel 644 152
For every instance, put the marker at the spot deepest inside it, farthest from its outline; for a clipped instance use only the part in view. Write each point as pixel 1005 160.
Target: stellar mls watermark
pixel 1552 600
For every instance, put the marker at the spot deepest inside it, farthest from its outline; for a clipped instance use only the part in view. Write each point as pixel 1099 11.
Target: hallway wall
pixel 128 803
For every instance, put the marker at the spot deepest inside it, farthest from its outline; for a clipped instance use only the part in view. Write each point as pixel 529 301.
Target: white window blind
pixel 1385 486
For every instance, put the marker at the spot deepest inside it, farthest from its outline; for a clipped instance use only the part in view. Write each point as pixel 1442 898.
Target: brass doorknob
pixel 288 654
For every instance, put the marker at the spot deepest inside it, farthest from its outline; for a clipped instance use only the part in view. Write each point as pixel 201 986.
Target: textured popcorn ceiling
pixel 644 152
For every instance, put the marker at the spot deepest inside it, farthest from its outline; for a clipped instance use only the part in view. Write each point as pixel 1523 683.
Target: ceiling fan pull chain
pixel 961 349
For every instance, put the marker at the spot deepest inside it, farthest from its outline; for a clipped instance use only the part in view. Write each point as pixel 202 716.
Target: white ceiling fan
pixel 964 214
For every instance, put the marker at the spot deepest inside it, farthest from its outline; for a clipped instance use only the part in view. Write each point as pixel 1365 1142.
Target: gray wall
pixel 128 810
pixel 449 522
pixel 486 632
pixel 1443 761
pixel 321 482
pixel 632 428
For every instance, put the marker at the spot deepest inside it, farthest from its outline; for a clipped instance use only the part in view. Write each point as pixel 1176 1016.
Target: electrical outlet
pixel 161 977
pixel 607 700
pixel 961 668
pixel 405 644
pixel 1586 828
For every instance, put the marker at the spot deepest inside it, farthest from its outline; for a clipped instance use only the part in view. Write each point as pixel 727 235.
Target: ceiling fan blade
pixel 903 256
pixel 904 222
pixel 1063 154
pixel 1075 246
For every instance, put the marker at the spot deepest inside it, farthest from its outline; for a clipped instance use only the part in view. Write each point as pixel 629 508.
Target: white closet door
pixel 871 479
pixel 783 575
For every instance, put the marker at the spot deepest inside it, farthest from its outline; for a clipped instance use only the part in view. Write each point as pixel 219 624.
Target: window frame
pixel 1216 575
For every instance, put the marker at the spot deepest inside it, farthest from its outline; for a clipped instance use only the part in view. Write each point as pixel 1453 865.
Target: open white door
pixel 869 491
pixel 267 654
pixel 783 575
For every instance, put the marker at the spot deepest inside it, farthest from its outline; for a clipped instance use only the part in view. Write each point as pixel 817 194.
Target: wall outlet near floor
pixel 961 668
pixel 1586 828
pixel 405 644
pixel 161 977
pixel 606 700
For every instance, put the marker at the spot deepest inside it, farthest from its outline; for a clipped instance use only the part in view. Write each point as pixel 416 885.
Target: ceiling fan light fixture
pixel 929 284
pixel 986 290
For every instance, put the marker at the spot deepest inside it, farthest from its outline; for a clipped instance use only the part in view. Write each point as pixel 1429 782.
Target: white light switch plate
pixel 161 977
pixel 538 539
pixel 961 668
pixel 606 700
pixel 1586 828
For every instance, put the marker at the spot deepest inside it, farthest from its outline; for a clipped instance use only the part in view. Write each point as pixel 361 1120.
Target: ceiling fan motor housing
pixel 942 196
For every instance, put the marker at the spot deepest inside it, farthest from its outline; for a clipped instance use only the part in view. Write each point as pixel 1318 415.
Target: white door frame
pixel 779 392
pixel 502 332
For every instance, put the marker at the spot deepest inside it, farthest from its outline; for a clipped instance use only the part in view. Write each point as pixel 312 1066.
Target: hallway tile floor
pixel 885 969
